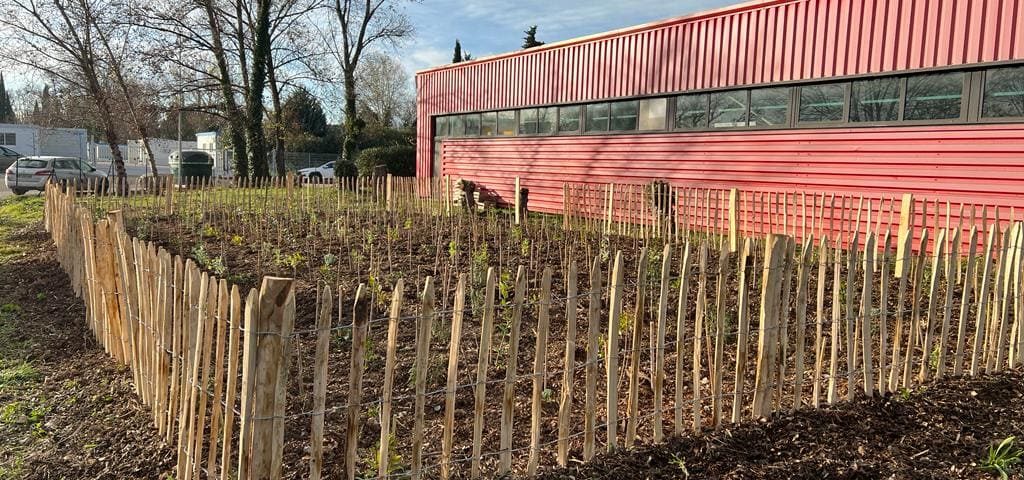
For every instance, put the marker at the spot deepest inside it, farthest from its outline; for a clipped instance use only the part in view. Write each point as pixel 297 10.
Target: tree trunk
pixel 275 95
pixel 235 119
pixel 109 132
pixel 353 125
pixel 257 141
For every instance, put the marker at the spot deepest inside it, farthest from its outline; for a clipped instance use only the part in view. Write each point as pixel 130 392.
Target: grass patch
pixel 17 213
pixel 17 373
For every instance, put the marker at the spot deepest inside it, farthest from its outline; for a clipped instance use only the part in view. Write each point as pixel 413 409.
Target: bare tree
pixel 385 91
pixel 58 38
pixel 363 24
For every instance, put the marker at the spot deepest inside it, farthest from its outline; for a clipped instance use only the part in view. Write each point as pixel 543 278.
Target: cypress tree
pixel 458 52
pixel 6 110
pixel 530 40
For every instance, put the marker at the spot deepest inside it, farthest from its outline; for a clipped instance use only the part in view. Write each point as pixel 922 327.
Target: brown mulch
pixel 942 431
pixel 92 424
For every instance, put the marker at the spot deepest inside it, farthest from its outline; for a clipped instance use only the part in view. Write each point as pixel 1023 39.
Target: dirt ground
pixel 942 431
pixel 67 410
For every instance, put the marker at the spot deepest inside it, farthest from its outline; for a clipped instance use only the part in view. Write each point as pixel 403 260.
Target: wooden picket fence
pixel 704 331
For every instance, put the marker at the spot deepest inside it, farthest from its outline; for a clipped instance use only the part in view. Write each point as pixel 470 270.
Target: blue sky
pixel 487 27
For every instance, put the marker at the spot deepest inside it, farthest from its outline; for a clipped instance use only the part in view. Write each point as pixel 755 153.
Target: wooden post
pixel 968 282
pixel 867 299
pixel 632 407
pixel 518 201
pixel 938 268
pixel 801 320
pixel 658 367
pixel 569 370
pixel 717 366
pixel 232 386
pixel 743 330
pixel 539 370
pixel 420 367
pixel 681 315
pixel 698 334
pixel 771 289
pixel 734 220
pixel 273 328
pixel 819 346
pixel 450 386
pixel 323 343
pixel 833 369
pixel 952 266
pixel 360 320
pixel 511 367
pixel 883 315
pixel 612 355
pixel 593 356
pixel 484 352
pixel 906 234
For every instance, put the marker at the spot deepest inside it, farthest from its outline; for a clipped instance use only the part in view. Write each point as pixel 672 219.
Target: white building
pixel 32 140
pixel 162 148
pixel 212 143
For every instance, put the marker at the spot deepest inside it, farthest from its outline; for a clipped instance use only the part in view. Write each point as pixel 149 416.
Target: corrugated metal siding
pixel 979 164
pixel 755 43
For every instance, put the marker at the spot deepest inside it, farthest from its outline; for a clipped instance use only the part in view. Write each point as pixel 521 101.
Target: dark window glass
pixel 569 118
pixel 769 107
pixel 488 124
pixel 472 124
pixel 441 127
pixel 8 139
pixel 1004 93
pixel 624 116
pixel 729 109
pixel 27 163
pixel 822 103
pixel 934 97
pixel 875 100
pixel 597 117
pixel 546 120
pixel 507 123
pixel 528 121
pixel 692 112
pixel 457 126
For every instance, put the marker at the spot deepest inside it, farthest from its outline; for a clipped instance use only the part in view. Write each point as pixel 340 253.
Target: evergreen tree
pixel 6 110
pixel 530 40
pixel 458 52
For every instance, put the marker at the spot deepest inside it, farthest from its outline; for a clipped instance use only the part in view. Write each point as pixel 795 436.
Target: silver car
pixel 32 173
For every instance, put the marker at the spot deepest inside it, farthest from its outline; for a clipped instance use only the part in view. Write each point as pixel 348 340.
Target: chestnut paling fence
pixel 531 369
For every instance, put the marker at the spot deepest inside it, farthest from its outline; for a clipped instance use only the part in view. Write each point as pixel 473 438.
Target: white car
pixel 32 173
pixel 318 174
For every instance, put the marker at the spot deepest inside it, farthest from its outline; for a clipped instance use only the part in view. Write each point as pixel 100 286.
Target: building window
pixel 440 128
pixel 507 123
pixel 652 113
pixel 472 124
pixel 597 117
pixel 8 139
pixel 692 112
pixel 528 121
pixel 934 97
pixel 1004 93
pixel 569 119
pixel 624 116
pixel 875 100
pixel 769 107
pixel 457 126
pixel 488 124
pixel 546 120
pixel 822 103
pixel 729 109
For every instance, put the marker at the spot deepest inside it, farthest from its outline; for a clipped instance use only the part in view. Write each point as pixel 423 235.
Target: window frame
pixel 978 83
pixel 901 81
pixel 584 119
pixel 746 115
pixel 844 119
pixel 558 120
pixel 664 122
pixel 966 96
pixel 790 108
pixel 674 105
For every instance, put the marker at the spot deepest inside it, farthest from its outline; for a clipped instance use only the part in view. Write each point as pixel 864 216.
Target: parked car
pixel 7 157
pixel 318 174
pixel 32 173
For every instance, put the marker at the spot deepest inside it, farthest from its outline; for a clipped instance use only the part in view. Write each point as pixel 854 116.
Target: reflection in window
pixel 528 121
pixel 488 124
pixel 769 107
pixel 546 120
pixel 875 100
pixel 652 113
pixel 692 112
pixel 934 97
pixel 1004 93
pixel 822 103
pixel 729 109
pixel 507 123
pixel 441 127
pixel 597 117
pixel 472 124
pixel 624 116
pixel 457 127
pixel 569 119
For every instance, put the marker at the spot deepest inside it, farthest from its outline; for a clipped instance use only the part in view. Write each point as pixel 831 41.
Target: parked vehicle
pixel 7 157
pixel 318 174
pixel 32 173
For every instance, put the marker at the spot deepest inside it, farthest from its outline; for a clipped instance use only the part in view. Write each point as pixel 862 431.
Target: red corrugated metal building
pixel 837 96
